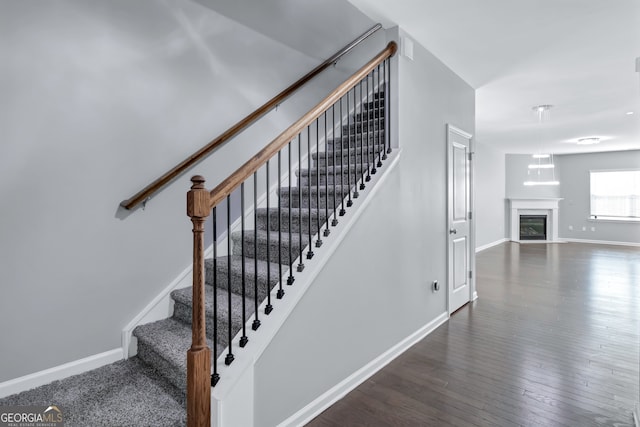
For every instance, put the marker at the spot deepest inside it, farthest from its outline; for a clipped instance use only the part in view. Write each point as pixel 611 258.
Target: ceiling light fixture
pixel 542 177
pixel 629 113
pixel 531 183
pixel 544 171
pixel 542 112
pixel 588 141
pixel 542 166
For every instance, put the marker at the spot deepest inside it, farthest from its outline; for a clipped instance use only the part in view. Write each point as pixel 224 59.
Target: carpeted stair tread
pixel 326 193
pixel 373 104
pixel 363 126
pixel 299 219
pixel 222 264
pixel 270 239
pixel 163 345
pixel 346 174
pixel 183 308
pixel 351 157
pixel 330 170
pixel 371 114
pixel 349 150
pixel 344 140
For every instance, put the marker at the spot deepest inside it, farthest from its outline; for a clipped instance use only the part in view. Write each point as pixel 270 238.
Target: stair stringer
pixel 232 398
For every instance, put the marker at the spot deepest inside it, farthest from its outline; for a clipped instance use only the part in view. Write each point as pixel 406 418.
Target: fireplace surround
pixel 535 207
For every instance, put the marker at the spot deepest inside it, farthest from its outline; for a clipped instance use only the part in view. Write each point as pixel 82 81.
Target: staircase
pixel 323 194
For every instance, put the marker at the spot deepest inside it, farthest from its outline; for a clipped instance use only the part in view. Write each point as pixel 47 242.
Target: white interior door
pixel 460 248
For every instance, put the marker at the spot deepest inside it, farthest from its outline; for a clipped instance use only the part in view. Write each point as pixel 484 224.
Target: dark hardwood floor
pixel 553 340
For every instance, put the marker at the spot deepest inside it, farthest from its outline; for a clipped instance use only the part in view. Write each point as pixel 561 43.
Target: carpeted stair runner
pixel 162 345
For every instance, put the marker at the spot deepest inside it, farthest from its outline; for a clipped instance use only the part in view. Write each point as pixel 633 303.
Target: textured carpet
pixel 125 393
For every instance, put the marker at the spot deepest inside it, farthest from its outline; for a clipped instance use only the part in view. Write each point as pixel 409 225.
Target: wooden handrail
pixel 246 170
pixel 199 155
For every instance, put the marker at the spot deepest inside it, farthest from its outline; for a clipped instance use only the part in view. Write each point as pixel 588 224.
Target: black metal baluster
pixel 256 321
pixel 342 210
pixel 318 223
pixel 244 339
pixel 290 279
pixel 229 358
pixel 268 308
pixel 373 104
pixel 375 119
pixel 334 222
pixel 387 111
pixel 300 264
pixel 355 145
pixel 362 102
pixel 326 174
pixel 381 120
pixel 349 123
pixel 215 377
pixel 310 251
pixel 280 292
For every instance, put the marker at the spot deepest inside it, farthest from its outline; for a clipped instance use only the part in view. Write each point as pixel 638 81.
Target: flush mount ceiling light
pixel 588 141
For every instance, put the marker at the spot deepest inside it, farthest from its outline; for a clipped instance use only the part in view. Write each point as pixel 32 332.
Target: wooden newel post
pixel 199 355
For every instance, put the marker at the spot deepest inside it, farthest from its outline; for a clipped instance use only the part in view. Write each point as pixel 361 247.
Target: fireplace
pixel 533 227
pixel 540 220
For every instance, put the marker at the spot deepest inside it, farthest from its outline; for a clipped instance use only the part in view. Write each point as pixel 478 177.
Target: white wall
pixel 98 99
pixel 574 188
pixel 517 172
pixel 490 203
pixel 375 290
pixel 318 28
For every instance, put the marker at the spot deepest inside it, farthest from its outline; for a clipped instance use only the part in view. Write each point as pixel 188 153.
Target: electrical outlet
pixel 593 229
pixel 571 227
pixel 584 228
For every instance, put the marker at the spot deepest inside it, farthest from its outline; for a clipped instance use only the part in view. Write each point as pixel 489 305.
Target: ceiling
pixel 577 55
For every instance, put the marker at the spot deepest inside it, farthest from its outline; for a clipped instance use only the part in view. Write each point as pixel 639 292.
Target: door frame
pixel 473 294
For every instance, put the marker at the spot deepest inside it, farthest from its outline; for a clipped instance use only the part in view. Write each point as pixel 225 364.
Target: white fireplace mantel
pixel 547 206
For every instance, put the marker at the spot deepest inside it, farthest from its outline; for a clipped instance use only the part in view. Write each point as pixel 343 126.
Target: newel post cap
pixel 198 199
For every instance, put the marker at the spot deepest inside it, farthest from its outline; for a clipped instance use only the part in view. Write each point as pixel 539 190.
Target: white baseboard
pixel 336 393
pixel 602 242
pixel 490 245
pixel 76 367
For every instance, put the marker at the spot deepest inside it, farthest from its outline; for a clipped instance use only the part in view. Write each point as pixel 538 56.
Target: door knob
pixel 452 231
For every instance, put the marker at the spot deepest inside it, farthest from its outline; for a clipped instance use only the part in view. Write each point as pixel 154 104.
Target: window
pixel 615 195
